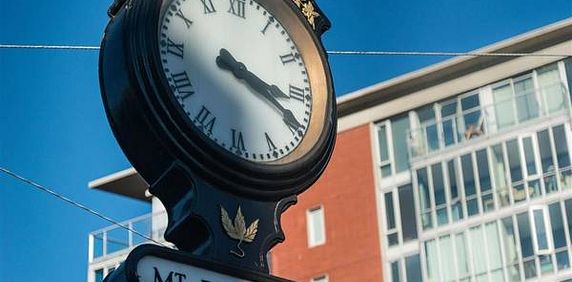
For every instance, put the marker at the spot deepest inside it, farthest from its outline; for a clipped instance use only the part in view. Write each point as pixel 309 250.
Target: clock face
pixel 238 75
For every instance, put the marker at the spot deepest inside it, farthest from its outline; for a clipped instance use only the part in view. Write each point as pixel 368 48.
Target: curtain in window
pixel 509 243
pixel 499 173
pixel 447 261
pixel 462 255
pixel 432 259
pixel 494 251
pixel 479 257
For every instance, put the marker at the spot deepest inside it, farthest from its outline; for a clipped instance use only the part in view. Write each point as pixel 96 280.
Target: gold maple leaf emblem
pixel 237 230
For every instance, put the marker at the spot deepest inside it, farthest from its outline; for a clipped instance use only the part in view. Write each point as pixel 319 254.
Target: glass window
pixel 561 145
pixel 446 248
pixel 413 266
pixel 316 227
pixel 529 156
pixel 508 239
pixel 407 212
pixel 504 106
pixel 448 113
pixel 432 259
pixel 425 201
pixel 526 246
pixel 383 151
pixel 426 117
pixel 525 96
pixel 568 65
pixel 540 225
pixel 494 250
pixel 471 112
pixel 395 276
pixel 485 180
pixel 478 252
pixel 322 278
pixel 469 183
pixel 499 172
pixel 99 275
pixel 389 211
pixel 519 192
pixel 568 205
pixel 399 129
pixel 462 255
pixel 558 233
pixel 548 167
pixel 551 88
pixel 439 193
pixel 456 204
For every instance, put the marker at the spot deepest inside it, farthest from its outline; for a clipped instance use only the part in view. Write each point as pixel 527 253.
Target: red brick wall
pixel 347 193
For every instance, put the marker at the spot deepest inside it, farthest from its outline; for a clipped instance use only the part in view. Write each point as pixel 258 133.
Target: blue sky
pixel 53 128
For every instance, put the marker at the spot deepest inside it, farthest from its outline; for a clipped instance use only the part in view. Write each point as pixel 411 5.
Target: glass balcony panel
pixel 143 227
pixel 513 104
pixel 98 245
pixel 117 240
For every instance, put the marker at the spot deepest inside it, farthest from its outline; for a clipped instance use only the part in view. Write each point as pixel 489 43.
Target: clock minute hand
pixel 226 61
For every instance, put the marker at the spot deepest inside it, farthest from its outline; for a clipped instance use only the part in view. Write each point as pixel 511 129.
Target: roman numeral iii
pixel 297 93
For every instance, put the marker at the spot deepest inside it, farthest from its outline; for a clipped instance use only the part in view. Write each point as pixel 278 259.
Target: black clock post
pixel 223 204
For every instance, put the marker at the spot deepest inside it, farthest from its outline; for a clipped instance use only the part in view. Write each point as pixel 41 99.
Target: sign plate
pixel 154 269
pixel 151 263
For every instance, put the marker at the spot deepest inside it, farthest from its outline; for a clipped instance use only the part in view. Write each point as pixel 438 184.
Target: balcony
pixel 116 241
pixel 489 120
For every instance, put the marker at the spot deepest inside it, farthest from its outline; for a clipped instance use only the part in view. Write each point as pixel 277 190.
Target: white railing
pixel 436 135
pixel 115 239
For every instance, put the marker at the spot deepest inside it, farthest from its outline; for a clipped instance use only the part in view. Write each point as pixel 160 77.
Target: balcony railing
pixel 116 239
pixel 437 135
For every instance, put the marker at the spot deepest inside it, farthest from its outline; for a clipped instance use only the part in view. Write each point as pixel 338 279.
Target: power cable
pixel 76 204
pixel 331 52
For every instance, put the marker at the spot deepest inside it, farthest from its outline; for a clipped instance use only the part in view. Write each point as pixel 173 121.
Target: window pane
pixel 551 88
pixel 407 212
pixel 568 205
pixel 389 211
pixel 562 260
pixel 468 177
pixel 558 234
pixel 514 160
pixel 399 129
pixel 568 64
pixel 524 233
pixel 432 260
pixel 542 239
pixel 499 172
pixel 425 203
pixel 493 246
pixel 449 130
pixel 561 145
pixel 453 179
pixel 392 239
pixel 504 106
pixel 99 275
pixel 316 226
pixel 438 184
pixel 545 151
pixel 432 137
pixel 471 112
pixel 413 266
pixel 508 240
pixel 477 250
pixel 526 104
pixel 529 156
pixel 395 271
pixel 446 248
pixel 382 139
pixel 461 257
pixel 483 167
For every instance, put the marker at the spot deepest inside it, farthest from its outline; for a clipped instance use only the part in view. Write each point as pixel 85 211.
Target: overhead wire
pixel 330 52
pixel 75 204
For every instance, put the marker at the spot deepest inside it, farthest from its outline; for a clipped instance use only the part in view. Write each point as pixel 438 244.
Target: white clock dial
pixel 238 75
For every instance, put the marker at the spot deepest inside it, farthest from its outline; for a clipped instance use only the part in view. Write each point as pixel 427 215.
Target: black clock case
pixel 154 132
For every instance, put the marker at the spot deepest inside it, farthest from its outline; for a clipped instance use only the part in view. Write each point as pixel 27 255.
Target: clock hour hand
pixel 227 62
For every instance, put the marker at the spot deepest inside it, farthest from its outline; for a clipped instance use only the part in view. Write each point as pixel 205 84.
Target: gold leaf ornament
pixel 237 229
pixel 310 12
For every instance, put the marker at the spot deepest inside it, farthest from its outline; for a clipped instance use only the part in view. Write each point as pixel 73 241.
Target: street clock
pixel 225 107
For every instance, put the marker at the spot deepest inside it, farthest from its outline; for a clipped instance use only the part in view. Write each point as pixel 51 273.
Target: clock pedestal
pixel 208 222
